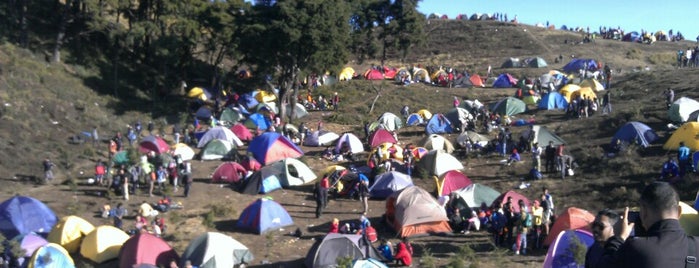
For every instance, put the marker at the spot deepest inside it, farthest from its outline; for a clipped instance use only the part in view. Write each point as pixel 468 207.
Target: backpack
pixel 527 222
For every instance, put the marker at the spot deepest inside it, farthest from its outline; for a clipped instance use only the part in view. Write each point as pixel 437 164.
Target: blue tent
pixel 258 121
pixel 248 100
pixel 553 100
pixel 631 37
pixel 51 256
pixel 414 120
pixel 388 183
pixel 635 132
pixel 272 146
pixel 263 215
pixel 576 65
pixel 438 124
pixel 203 113
pixel 695 161
pixel 21 215
pixel 505 81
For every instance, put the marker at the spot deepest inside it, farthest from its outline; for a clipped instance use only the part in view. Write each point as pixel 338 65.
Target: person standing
pixel 363 190
pixel 456 102
pixel 336 101
pixel 602 230
pixel 48 170
pixel 317 193
pixel 95 137
pixel 607 76
pixel 324 187
pixel 536 156
pixel 669 97
pixel 606 104
pixel 119 213
pixel 683 159
pixel 187 178
pixel 550 155
pixel 524 223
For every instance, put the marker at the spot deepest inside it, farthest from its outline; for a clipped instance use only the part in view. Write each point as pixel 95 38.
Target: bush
pixel 344 262
pixel 209 219
pixel 222 210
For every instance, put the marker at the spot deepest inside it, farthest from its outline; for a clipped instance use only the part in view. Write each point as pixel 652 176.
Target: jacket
pixel 665 245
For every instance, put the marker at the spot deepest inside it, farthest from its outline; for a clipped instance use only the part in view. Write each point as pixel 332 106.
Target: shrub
pixel 208 219
pixel 344 262
pixel 222 210
pixel 428 260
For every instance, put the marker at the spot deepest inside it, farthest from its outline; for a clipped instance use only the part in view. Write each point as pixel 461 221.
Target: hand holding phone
pixel 627 226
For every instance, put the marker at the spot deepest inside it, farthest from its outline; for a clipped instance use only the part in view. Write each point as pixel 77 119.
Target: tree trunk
pixel 23 28
pixel 62 23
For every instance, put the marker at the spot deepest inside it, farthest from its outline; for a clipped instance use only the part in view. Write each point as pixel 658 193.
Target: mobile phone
pixel 635 217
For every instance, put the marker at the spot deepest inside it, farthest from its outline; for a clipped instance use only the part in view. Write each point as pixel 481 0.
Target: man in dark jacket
pixel 603 230
pixel 666 244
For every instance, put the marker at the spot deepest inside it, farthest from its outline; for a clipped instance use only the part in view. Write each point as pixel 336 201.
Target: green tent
pixel 216 149
pixel 535 62
pixel 476 194
pixel 438 162
pixel 543 136
pixel 231 116
pixel 508 106
pixel 121 158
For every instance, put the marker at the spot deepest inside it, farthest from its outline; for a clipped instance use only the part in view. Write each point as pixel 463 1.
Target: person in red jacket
pixel 334 226
pixel 404 255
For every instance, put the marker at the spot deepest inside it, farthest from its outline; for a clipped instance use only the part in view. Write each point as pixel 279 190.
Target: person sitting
pixel 404 254
pixel 670 170
pixel 163 204
pixel 386 250
pixel 456 221
pixel 514 157
pixel 159 226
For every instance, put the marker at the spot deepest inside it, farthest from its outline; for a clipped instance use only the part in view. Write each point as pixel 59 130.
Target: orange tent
pixel 572 218
pixel 477 81
pixel 414 211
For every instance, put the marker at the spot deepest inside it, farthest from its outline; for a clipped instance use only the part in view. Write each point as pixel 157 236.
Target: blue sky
pixel 650 15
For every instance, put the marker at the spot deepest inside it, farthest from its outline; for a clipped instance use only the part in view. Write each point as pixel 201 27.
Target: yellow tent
pixel 689 219
pixel 531 99
pixel 568 90
pixel 103 243
pixel 421 75
pixel 69 232
pixel 333 168
pixel 592 83
pixel 584 92
pixel 264 96
pixel 346 74
pixel 198 93
pixel 438 73
pixel 425 114
pixel 384 147
pixel 688 133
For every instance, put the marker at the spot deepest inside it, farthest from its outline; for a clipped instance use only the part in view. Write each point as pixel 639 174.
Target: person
pixel 456 102
pixel 48 170
pixel 670 170
pixel 318 195
pixel 606 104
pixel 161 177
pixel 404 254
pixel 566 165
pixel 669 97
pixel 550 156
pixel 536 156
pixel 499 222
pixel 607 76
pixel 334 226
pixel 163 204
pixel 602 230
pixel 99 172
pixel 405 111
pixel 537 214
pixel 386 250
pixel 187 178
pixel 324 187
pixel 119 213
pixel 335 102
pixel 665 245
pixel 523 223
pixel 151 127
pixel 514 157
pixel 95 137
pixel 363 190
pixel 159 225
pixel 456 221
pixel 683 159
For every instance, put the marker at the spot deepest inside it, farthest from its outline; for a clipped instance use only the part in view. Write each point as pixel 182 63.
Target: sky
pixel 649 15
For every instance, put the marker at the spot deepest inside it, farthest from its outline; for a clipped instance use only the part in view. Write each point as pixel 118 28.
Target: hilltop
pixel 43 105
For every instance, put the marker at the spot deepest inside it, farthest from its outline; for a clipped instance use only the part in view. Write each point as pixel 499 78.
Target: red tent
pixel 572 218
pixel 502 199
pixel 389 73
pixel 451 181
pixel 250 164
pixel 242 132
pixel 373 74
pixel 145 248
pixel 381 136
pixel 228 172
pixel 153 144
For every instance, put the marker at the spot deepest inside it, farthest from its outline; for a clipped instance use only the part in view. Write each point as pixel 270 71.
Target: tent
pixel 216 149
pixel 689 219
pixel 572 218
pixel 320 138
pixel 632 37
pixel 593 84
pixel 258 121
pixel 388 183
pixel 228 172
pixel 505 81
pixel 50 256
pixel 121 158
pixel 421 75
pixel 373 74
pixel 299 110
pixel 325 253
pixel 564 249
pixel 219 133
pixel 476 194
pixel 184 151
pixel 230 116
pixel 553 100
pixel 248 100
pixel 473 137
pixel 264 96
pixel 576 64
pixel 203 113
pixel 681 109
pixel 584 92
pixel 567 91
pixel 531 99
pixel 462 81
pixel 368 263
pixel 458 116
pixel 477 80
pixel 535 62
pixel 261 182
pixel 354 143
pixel 686 133
pixel 511 63
pixel 509 106
pixel 387 121
pixel 635 132
pixel 263 215
pixel 388 150
pixel 266 108
pixel 438 162
pixel 438 124
pixel 502 199
pixel 199 93
pixel 271 146
pixel 425 114
pixel 437 142
pixel 146 248
pixel 69 232
pixel 413 211
pixel 346 74
pixel 402 74
pixel 153 144
pixel 29 243
pixel 451 181
pixel 242 132
pixel 543 136
pixel 21 215
pixel 103 243
pixel 292 172
pixel 213 249
pixel 381 136
pixel 250 163
pixel 414 119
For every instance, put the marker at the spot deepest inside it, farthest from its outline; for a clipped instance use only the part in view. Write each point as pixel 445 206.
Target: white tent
pixel 212 249
pixel 682 108
pixel 219 133
pixel 184 151
pixel 354 143
pixel 320 138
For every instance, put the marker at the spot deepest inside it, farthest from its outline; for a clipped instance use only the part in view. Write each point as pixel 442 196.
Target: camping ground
pixel 39 113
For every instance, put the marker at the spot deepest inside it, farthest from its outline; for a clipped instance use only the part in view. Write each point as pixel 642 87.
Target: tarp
pixel 508 106
pixel 51 256
pixel 381 136
pixel 593 84
pixel 184 151
pixel 570 219
pixel 145 248
pixel 482 140
pixel 686 133
pixel 270 146
pixel 553 100
pixel 219 133
pixel 438 124
pixel 242 132
pixel 320 138
pixel 562 253
pixel 575 65
pixel 451 181
pixel 325 253
pixel 477 194
pixel 21 215
pixel 346 74
pixel 388 183
pixel 413 211
pixel 229 172
pixel 438 162
pixel 635 133
pixel 681 109
pixel 213 250
pixel 216 149
pixel 263 215
pixel 153 144
pixel 103 243
pixel 437 142
pixel 543 136
pixel 505 81
pixel 69 232
pixel 351 140
pixel 458 116
pixel 30 242
pixel 502 199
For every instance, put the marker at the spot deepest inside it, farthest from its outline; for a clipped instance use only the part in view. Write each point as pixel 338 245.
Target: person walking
pixel 536 156
pixel 324 187
pixel 187 177
pixel 364 194
pixel 318 196
pixel 550 155
pixel 48 170
pixel 335 101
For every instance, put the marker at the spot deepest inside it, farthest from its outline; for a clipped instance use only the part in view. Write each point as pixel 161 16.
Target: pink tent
pixel 502 199
pixel 373 74
pixel 242 132
pixel 451 181
pixel 145 248
pixel 228 172
pixel 153 144
pixel 381 136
